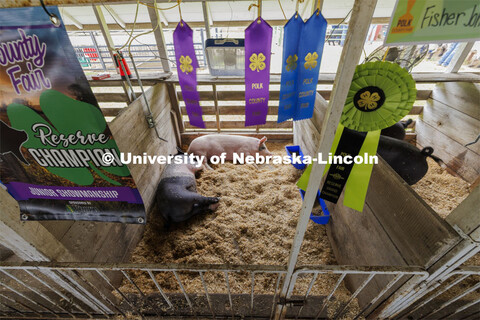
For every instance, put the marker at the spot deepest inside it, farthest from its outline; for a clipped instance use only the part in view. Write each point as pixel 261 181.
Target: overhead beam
pixel 74 21
pixel 115 16
pixel 216 24
pixel 25 3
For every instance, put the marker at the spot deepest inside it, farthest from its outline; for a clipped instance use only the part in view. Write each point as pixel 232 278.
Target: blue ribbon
pixel 310 52
pixel 299 85
pixel 290 66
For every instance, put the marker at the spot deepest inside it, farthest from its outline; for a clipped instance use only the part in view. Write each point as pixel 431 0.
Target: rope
pixel 180 12
pixel 281 8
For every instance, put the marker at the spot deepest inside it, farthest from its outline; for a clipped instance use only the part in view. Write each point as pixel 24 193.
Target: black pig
pixel 407 160
pixel 397 131
pixel 177 196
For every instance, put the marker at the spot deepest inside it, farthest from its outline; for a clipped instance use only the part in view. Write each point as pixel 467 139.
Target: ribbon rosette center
pixel 292 62
pixel 368 100
pixel 257 62
pixel 311 60
pixel 186 64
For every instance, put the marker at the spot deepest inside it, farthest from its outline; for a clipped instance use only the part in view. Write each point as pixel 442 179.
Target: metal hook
pixel 53 17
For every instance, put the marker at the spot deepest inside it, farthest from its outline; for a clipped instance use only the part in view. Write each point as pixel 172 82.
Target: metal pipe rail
pixel 30 289
pixel 448 292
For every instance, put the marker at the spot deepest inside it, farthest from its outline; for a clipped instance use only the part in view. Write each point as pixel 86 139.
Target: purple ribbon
pixel 187 65
pixel 258 46
pixel 25 191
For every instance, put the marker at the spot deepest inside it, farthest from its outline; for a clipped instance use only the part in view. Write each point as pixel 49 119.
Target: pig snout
pixel 214 203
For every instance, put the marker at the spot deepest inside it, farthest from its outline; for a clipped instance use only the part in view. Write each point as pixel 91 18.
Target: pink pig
pixel 216 144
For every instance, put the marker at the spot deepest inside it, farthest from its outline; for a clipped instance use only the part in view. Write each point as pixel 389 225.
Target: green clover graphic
pixel 66 116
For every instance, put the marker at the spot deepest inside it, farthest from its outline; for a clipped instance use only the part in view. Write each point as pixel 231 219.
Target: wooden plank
pixel 463 161
pixel 175 107
pixel 328 78
pixel 420 235
pixel 466 216
pixel 187 137
pixel 111 112
pixel 230 110
pixel 240 110
pixel 113 96
pixel 240 125
pixel 151 79
pixel 462 96
pixel 359 239
pixel 274 95
pixel 28 240
pixel 456 125
pixel 132 133
pixel 416 110
pixel 215 24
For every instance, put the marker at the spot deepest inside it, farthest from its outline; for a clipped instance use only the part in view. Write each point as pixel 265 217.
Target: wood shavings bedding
pixel 254 224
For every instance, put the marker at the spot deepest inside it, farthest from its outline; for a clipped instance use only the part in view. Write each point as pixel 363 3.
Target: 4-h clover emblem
pixel 368 100
pixel 64 116
pixel 311 61
pixel 291 63
pixel 186 64
pixel 257 62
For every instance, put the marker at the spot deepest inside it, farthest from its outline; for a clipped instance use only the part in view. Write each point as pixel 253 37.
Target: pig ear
pixel 263 140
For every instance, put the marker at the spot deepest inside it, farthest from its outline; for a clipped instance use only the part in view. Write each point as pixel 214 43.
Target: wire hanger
pixel 53 17
pixel 180 12
pixel 259 7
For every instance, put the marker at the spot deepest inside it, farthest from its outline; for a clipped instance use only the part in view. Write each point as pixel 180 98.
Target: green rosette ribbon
pixel 380 95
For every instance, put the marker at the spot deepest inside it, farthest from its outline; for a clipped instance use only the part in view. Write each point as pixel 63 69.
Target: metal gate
pixel 48 290
pixel 456 296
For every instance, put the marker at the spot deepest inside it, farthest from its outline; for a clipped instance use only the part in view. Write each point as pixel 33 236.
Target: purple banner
pixel 26 191
pixel 187 65
pixel 258 46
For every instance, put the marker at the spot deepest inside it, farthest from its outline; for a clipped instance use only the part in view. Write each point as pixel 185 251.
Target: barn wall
pixel 396 227
pixel 451 119
pixel 114 242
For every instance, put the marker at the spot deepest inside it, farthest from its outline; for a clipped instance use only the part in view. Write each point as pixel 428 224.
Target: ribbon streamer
pixel 258 46
pixel 301 65
pixel 310 52
pixel 288 82
pixel 187 65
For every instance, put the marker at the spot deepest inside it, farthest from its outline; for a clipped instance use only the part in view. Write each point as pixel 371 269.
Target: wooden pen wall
pixel 450 120
pixel 396 227
pixel 114 242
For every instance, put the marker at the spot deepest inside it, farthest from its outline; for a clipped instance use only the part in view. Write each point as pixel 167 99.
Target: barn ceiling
pixel 120 12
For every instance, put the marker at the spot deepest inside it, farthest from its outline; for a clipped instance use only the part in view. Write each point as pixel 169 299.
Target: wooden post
pixel 207 17
pixel 110 45
pixel 361 17
pixel 159 39
pixel 460 56
pixel 208 22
